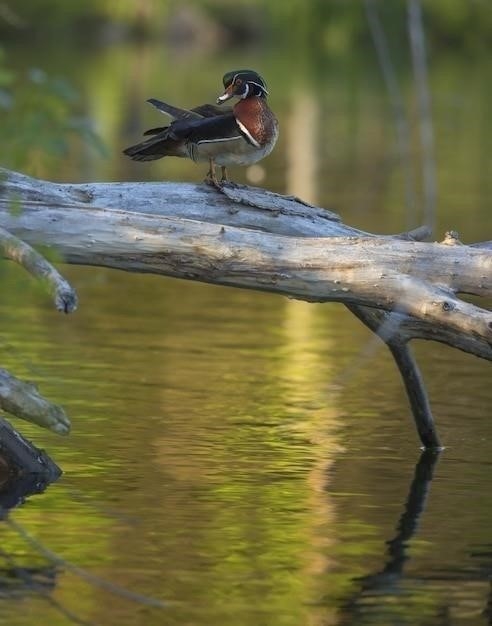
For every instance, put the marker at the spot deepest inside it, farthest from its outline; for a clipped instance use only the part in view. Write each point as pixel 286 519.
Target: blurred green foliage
pixel 39 119
pixel 326 24
pixel 103 46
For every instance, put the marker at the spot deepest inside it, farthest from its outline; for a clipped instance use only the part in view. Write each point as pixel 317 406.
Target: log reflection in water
pixel 386 582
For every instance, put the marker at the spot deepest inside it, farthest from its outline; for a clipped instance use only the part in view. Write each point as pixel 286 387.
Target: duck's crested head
pixel 243 84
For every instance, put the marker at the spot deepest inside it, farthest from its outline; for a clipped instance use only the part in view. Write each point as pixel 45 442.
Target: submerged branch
pixel 387 328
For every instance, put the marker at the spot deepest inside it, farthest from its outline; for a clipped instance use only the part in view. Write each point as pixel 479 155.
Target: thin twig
pixel 402 127
pixel 419 62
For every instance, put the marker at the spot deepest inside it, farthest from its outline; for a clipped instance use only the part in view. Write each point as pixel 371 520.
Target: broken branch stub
pixel 23 400
pixel 13 248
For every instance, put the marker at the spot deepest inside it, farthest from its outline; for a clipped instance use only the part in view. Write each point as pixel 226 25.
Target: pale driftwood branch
pixel 252 238
pixel 15 249
pixel 415 278
pixel 24 400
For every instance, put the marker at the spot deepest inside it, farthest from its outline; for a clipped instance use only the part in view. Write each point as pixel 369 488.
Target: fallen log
pixel 239 236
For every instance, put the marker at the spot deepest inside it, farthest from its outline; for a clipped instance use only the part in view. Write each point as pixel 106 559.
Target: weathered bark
pixel 252 238
pixel 195 232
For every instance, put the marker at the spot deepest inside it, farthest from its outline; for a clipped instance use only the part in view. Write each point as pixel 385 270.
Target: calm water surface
pixel 243 458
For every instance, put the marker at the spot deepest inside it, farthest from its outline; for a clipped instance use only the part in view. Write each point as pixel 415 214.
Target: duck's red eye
pixel 239 82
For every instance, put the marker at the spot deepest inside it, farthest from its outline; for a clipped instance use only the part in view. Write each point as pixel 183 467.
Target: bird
pixel 223 136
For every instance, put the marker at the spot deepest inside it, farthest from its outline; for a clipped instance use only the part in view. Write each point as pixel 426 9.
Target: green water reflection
pixel 233 453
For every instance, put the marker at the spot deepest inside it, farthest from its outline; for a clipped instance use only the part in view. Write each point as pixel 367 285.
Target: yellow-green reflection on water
pixel 233 453
pixel 192 422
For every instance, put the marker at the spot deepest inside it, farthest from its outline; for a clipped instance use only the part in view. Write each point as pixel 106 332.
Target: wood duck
pixel 220 135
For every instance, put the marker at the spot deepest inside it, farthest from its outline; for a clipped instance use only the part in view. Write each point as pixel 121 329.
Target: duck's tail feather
pixel 155 148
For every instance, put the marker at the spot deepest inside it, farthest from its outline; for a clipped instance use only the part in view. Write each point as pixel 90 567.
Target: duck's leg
pixel 224 174
pixel 211 178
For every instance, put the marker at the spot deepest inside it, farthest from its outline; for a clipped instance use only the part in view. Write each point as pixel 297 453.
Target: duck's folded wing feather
pixel 174 112
pixel 210 110
pixel 156 131
pixel 198 113
pixel 209 129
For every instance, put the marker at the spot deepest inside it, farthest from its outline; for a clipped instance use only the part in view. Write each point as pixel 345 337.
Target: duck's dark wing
pixel 203 110
pixel 217 128
pixel 171 140
pixel 210 110
pixel 155 131
pixel 199 112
